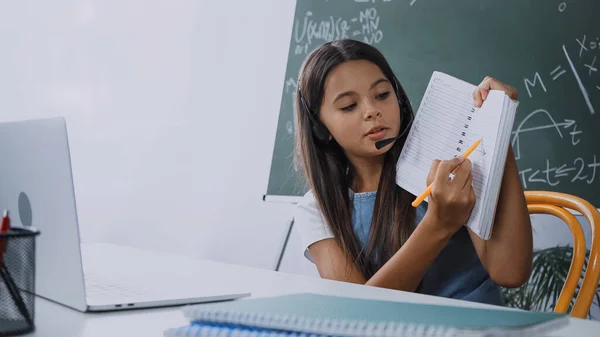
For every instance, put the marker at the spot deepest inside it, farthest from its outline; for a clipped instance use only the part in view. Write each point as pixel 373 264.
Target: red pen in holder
pixel 4 227
pixel 17 278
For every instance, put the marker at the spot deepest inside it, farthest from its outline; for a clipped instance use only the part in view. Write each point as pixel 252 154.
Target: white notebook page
pixel 445 125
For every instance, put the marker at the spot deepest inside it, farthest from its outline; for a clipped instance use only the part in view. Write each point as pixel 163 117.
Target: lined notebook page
pixel 445 125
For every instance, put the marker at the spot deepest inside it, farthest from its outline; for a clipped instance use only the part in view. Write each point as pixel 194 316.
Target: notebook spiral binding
pixel 308 327
pixel 211 331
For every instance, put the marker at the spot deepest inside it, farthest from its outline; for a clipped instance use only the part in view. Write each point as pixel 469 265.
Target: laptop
pixel 37 188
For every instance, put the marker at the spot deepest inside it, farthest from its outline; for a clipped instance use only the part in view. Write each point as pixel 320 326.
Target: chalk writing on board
pixel 370 26
pixel 529 83
pixel 536 83
pixel 562 6
pixel 290 87
pixel 591 66
pixel 568 125
pixel 576 171
pixel 584 92
pixel 309 31
pixel 589 45
pixel 556 73
pixel 289 128
pixel 580 64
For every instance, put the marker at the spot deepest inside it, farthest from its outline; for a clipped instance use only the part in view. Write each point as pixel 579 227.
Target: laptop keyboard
pixel 99 287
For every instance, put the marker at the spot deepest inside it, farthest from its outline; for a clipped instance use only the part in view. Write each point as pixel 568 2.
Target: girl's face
pixel 359 108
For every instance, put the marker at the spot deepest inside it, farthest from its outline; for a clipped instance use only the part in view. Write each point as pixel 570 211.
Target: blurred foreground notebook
pixel 445 125
pixel 324 315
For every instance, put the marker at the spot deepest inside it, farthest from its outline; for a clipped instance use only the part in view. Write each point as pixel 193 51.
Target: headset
pixel 322 135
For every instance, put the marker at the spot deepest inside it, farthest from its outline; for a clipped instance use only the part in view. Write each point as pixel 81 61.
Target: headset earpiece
pixel 406 113
pixel 319 130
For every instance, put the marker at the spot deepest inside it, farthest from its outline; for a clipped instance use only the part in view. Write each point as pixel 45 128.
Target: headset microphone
pixel 382 143
pixel 385 142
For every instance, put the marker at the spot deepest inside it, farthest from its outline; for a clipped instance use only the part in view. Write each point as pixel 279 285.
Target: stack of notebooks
pixel 307 314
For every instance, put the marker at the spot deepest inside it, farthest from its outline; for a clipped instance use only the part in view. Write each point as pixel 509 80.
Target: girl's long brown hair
pixel 330 174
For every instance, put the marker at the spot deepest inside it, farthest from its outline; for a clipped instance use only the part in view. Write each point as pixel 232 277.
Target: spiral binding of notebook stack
pixel 360 329
pixel 198 330
pixel 308 314
pixel 295 324
pixel 17 281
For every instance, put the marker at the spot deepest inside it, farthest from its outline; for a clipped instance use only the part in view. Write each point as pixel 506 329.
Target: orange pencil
pixel 427 191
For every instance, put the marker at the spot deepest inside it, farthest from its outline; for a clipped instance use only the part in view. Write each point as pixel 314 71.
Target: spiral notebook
pixel 446 124
pixel 307 314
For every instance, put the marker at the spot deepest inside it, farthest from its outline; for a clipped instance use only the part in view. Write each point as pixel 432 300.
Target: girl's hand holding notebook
pixel 482 91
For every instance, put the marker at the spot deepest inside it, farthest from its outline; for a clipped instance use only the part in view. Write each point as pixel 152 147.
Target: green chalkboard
pixel 549 50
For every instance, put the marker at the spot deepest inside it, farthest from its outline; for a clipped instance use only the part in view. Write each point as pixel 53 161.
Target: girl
pixel 358 226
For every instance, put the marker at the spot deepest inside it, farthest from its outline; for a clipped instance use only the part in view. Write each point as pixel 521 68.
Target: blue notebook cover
pixel 344 316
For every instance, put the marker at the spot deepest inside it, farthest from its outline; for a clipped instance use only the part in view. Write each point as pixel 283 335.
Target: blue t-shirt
pixel 455 273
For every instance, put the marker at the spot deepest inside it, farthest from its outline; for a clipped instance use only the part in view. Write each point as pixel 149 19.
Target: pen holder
pixel 17 281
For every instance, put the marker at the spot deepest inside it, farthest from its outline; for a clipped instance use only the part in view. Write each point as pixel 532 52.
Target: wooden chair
pixel 554 203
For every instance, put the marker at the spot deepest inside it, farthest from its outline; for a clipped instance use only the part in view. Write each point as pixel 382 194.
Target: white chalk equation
pixel 567 126
pixel 586 56
pixel 580 65
pixel 555 173
pixel 290 87
pixel 562 7
pixel 309 31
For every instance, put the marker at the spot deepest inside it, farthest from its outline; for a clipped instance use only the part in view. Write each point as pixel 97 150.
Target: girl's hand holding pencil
pixel 450 200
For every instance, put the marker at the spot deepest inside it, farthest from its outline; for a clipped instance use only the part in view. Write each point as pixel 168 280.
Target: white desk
pixel 54 320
